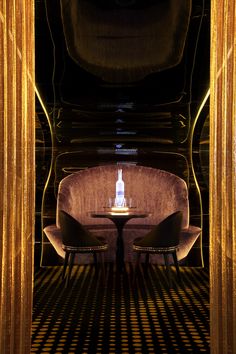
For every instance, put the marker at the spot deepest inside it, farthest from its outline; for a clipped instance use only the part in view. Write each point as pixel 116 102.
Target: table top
pixel 118 215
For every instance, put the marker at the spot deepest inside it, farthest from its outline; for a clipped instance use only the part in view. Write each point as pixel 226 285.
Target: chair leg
pixel 167 268
pixel 71 262
pixel 176 264
pixel 146 264
pixel 136 266
pixel 103 267
pixel 65 265
pixel 95 258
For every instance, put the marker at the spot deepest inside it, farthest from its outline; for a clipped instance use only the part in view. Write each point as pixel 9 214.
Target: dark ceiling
pixel 90 108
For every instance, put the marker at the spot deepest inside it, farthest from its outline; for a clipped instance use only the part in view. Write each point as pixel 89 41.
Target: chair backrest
pixel 166 233
pixel 157 191
pixel 74 234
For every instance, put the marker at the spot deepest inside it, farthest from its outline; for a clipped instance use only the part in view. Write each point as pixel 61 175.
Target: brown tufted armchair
pixel 157 191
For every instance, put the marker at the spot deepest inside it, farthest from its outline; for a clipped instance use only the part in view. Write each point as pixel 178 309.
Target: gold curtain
pixel 222 177
pixel 17 176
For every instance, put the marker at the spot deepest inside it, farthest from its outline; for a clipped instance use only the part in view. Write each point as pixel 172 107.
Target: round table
pixel 119 219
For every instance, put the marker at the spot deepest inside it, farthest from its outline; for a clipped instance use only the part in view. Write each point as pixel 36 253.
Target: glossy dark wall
pixel 150 122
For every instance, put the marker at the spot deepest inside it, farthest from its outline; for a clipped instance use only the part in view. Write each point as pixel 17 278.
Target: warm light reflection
pixel 200 109
pixel 119 209
pixel 51 163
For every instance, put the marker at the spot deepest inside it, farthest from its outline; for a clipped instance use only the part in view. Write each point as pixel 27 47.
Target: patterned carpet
pixel 114 315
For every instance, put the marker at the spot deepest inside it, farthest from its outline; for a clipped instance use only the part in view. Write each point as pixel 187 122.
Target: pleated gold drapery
pixel 16 173
pixel 222 177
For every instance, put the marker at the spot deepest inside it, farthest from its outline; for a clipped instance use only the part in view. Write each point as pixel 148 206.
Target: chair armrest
pixel 187 239
pixel 54 235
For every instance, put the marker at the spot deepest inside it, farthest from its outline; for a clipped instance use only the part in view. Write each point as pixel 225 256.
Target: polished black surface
pixel 147 122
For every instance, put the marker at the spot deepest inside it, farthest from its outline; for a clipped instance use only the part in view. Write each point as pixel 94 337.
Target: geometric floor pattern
pixel 113 315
